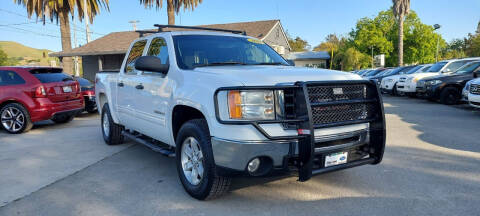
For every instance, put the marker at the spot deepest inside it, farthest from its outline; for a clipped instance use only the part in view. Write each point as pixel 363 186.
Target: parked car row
pixel 33 94
pixel 449 81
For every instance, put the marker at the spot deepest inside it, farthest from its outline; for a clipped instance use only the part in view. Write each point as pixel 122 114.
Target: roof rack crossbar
pixel 143 32
pixel 161 27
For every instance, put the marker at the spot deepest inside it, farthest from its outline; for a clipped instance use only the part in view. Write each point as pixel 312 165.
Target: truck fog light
pixel 253 165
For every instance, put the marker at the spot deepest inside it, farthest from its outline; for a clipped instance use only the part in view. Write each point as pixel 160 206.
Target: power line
pixel 77 28
pixel 37 33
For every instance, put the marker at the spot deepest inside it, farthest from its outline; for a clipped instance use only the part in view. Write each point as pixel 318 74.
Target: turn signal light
pixel 235 104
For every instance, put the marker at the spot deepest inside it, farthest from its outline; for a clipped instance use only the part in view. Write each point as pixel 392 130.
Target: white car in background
pixel 388 84
pixel 474 93
pixel 466 90
pixel 402 79
pixel 441 67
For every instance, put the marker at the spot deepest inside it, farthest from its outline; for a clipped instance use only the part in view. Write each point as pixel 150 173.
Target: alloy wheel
pixel 12 119
pixel 192 161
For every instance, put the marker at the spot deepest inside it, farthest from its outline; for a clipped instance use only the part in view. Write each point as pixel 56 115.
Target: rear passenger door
pixel 153 100
pixel 126 87
pixel 11 85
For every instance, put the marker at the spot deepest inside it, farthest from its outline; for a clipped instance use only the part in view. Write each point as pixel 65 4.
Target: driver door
pixel 153 100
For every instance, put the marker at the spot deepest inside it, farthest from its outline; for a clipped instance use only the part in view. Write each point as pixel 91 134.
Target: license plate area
pixel 67 89
pixel 336 158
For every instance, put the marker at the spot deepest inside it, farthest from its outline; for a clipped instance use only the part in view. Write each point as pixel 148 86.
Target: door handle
pixel 139 86
pixel 120 84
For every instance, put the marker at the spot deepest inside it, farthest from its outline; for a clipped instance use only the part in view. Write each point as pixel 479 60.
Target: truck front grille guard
pixel 318 105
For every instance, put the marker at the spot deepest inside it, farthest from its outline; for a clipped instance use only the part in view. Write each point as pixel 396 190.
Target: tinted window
pixel 454 66
pixel 468 68
pixel 135 53
pixel 49 75
pixel 158 48
pixel 10 78
pixel 195 50
pixel 413 70
pixel 437 66
pixel 83 82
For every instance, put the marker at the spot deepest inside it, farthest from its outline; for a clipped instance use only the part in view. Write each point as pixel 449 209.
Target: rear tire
pixel 63 118
pixel 450 96
pixel 208 185
pixel 112 132
pixel 15 119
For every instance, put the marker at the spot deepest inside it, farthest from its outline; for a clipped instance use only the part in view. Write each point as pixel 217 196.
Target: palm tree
pixel 173 6
pixel 60 10
pixel 400 9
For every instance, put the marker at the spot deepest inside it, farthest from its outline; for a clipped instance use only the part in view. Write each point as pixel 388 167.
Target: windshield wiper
pixel 219 64
pixel 270 63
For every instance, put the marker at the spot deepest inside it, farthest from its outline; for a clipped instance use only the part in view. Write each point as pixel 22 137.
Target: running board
pixel 137 138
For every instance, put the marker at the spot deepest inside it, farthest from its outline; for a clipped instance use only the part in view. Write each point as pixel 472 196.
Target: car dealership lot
pixel 431 167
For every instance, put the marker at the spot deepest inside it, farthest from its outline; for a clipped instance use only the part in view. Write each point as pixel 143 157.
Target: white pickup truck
pixel 225 104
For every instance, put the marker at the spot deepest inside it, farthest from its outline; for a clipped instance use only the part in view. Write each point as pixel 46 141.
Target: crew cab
pixel 32 94
pixel 225 104
pixel 448 88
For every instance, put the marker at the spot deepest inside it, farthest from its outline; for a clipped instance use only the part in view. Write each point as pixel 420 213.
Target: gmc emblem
pixel 337 91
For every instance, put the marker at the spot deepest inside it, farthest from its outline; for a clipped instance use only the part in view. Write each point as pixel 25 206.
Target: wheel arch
pixel 181 114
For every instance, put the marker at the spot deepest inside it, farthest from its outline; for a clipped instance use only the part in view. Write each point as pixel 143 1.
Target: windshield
pixel 374 72
pixel 425 69
pixel 210 50
pixel 468 68
pixel 413 70
pixel 437 67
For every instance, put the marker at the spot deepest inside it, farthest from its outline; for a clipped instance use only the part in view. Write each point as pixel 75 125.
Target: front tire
pixel 450 96
pixel 195 163
pixel 15 119
pixel 112 133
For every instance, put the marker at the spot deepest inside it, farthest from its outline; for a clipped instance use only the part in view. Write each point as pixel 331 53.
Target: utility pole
pixel 435 27
pixel 85 13
pixel 372 55
pixel 134 24
pixel 75 58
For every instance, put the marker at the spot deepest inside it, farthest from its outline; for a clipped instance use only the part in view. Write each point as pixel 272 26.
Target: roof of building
pixel 118 42
pixel 308 55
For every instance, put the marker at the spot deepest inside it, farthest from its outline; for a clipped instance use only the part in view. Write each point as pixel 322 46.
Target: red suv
pixel 31 94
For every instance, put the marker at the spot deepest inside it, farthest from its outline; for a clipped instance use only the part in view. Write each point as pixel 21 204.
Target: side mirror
pixel 291 62
pixel 151 64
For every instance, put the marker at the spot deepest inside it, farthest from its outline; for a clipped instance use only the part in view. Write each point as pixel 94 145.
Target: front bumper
pixel 235 155
pixel 428 91
pixel 406 87
pixel 474 100
pixel 305 151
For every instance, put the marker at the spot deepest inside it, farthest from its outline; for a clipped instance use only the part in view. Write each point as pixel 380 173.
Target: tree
pixel 352 59
pixel 3 58
pixel 400 9
pixel 173 6
pixel 473 45
pixel 298 44
pixel 61 10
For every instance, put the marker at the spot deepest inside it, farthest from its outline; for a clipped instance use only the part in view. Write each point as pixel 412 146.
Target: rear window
pixel 50 75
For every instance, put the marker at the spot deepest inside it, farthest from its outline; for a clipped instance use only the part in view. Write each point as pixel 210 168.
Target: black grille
pixel 339 103
pixel 318 94
pixel 475 89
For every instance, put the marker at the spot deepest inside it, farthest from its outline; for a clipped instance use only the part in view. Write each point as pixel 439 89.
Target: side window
pixel 454 66
pixel 158 48
pixel 8 78
pixel 135 53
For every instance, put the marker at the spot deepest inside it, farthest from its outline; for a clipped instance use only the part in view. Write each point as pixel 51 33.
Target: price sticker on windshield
pixel 255 41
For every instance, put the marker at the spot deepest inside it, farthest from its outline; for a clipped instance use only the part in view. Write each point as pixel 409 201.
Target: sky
pixel 312 20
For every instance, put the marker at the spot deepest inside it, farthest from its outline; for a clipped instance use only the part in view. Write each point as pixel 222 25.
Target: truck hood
pixel 423 75
pixel 271 75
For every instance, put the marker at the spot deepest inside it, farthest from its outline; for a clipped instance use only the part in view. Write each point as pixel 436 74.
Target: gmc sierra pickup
pixel 225 104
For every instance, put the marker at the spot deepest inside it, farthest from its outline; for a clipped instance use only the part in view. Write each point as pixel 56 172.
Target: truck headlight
pixel 251 104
